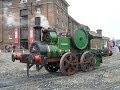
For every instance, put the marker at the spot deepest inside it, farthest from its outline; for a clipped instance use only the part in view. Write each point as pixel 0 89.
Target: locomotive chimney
pixel 99 32
pixel 37 25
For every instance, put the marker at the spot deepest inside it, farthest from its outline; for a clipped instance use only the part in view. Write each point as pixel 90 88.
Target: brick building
pixel 99 42
pixel 15 12
pixel 17 15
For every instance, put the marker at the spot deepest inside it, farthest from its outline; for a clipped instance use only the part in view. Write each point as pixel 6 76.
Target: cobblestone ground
pixel 13 77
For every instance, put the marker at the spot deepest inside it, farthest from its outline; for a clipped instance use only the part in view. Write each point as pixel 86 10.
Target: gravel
pixel 13 77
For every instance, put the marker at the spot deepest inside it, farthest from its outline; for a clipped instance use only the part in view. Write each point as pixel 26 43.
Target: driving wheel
pixel 52 67
pixel 68 64
pixel 87 61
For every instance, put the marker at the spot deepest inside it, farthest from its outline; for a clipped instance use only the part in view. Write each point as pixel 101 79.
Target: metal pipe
pixel 47 10
pixel 2 25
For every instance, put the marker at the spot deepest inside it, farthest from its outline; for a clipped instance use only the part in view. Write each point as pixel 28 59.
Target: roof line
pixel 73 19
pixel 66 2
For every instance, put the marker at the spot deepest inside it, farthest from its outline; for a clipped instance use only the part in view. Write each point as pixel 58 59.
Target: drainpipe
pixel 2 25
pixel 47 9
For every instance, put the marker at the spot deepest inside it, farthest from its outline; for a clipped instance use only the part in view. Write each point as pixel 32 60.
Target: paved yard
pixel 13 77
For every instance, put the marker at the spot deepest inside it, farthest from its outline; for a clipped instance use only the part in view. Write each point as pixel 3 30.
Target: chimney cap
pixel 99 30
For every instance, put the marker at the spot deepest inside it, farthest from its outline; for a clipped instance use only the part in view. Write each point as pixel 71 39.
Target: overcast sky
pixel 98 14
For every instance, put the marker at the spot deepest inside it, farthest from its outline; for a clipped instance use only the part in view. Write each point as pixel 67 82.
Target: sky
pixel 98 14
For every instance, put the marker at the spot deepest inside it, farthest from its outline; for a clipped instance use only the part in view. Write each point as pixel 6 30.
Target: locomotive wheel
pixel 68 64
pixel 87 61
pixel 52 67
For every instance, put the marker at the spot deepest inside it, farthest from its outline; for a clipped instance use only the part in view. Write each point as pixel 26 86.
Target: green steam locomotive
pixel 67 53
